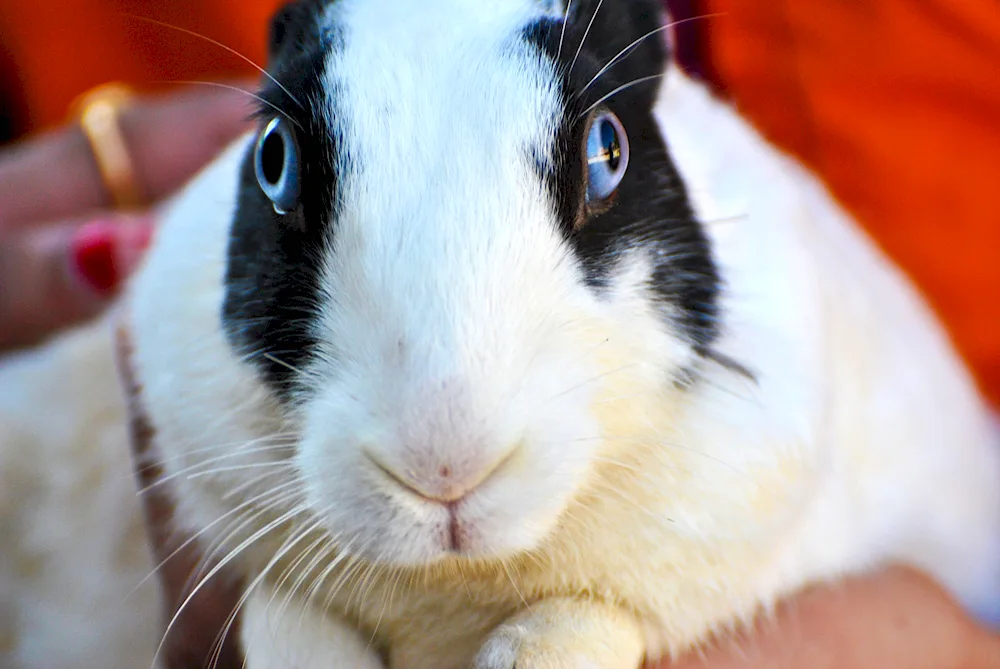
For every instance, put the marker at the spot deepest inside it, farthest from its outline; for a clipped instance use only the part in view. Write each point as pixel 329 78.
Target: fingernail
pixel 103 253
pixel 134 237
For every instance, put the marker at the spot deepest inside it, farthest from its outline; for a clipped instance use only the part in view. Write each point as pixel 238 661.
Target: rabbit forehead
pixel 444 142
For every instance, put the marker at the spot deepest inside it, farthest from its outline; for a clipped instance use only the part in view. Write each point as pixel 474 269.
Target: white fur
pixel 275 640
pixel 72 539
pixel 454 328
pixel 456 332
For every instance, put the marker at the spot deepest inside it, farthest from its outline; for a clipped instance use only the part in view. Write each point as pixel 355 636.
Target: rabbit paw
pixel 564 634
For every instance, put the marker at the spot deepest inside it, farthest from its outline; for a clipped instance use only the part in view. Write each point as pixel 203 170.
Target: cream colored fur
pixel 72 541
pixel 863 443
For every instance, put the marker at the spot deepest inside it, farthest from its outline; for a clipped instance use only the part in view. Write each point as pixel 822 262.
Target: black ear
pixel 288 25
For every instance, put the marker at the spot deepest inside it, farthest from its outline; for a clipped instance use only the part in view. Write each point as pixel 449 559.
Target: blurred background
pixel 895 103
pixel 53 50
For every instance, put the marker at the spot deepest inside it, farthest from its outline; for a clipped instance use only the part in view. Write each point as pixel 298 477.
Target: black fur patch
pixel 651 209
pixel 272 277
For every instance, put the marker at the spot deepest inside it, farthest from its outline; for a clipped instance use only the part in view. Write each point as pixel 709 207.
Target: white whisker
pixel 585 34
pixel 465 582
pixel 194 471
pixel 583 384
pixel 562 34
pixel 342 554
pixel 256 536
pixel 386 604
pixel 239 468
pixel 621 54
pixel 216 84
pixel 290 570
pixel 247 592
pixel 678 447
pixel 353 565
pixel 231 50
pixel 327 548
pixel 282 551
pixel 236 446
pixel 244 521
pixel 194 537
pixel 284 364
pixel 253 481
pixel 623 87
pixel 510 577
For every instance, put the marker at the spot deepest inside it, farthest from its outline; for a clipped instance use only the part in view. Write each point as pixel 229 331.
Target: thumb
pixel 55 276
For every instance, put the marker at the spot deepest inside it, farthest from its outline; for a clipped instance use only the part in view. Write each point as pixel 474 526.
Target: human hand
pixel 63 253
pixel 895 618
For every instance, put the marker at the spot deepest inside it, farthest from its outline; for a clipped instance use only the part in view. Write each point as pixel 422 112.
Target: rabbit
pixel 502 342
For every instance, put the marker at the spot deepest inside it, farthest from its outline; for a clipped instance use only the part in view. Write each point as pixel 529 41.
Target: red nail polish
pixel 104 253
pixel 93 254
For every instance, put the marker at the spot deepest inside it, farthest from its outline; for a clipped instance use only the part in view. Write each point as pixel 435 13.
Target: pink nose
pixel 443 483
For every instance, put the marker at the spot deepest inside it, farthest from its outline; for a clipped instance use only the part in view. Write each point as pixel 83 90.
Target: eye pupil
pixel 272 158
pixel 609 142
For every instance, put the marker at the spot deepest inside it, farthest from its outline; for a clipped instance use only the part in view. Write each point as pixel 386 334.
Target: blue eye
pixel 276 163
pixel 607 156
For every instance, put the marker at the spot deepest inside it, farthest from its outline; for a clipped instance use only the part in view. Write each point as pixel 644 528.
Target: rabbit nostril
pixel 449 484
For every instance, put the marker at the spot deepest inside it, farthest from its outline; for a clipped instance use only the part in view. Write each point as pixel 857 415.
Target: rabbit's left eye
pixel 607 156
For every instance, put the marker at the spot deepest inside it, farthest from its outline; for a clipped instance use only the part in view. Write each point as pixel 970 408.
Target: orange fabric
pixel 897 104
pixel 62 48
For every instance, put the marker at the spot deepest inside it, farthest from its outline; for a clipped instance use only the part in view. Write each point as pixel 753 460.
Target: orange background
pixel 61 48
pixel 895 102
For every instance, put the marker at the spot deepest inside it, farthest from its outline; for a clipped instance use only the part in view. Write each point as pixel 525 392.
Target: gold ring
pixel 98 112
